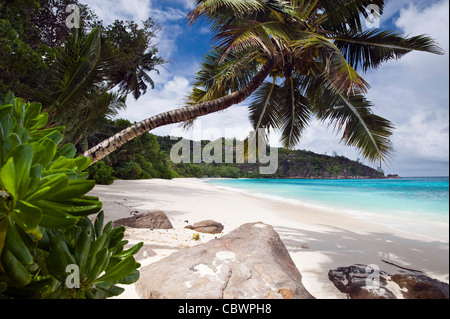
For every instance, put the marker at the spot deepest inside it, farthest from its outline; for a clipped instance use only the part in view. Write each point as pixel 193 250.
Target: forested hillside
pixel 292 164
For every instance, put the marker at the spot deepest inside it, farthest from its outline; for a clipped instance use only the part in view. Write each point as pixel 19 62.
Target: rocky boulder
pixel 368 282
pixel 361 282
pixel 207 226
pixel 251 262
pixel 419 286
pixel 151 220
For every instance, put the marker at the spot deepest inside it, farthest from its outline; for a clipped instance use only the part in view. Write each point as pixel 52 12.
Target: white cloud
pixel 110 10
pixel 413 93
pixel 171 14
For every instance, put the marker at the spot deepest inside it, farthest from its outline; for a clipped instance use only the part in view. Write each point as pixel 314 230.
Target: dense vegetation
pixel 291 164
pixel 72 71
pixel 49 246
pixel 139 159
pixel 148 156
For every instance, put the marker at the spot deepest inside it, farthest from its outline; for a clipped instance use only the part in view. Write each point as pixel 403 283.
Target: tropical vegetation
pixel 44 216
pixel 310 52
pixel 73 72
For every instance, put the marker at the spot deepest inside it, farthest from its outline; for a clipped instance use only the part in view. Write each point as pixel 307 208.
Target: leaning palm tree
pixel 311 52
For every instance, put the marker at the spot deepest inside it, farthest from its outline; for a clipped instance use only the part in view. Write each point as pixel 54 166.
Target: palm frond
pixel 369 133
pixel 215 79
pixel 76 68
pixel 220 12
pixel 295 115
pixel 340 75
pixel 346 14
pixel 369 49
pixel 265 107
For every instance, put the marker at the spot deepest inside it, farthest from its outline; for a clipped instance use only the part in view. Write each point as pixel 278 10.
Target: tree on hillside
pixel 311 51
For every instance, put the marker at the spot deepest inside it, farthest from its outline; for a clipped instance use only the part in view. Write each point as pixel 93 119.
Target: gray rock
pixel 249 263
pixel 207 226
pixel 418 286
pixel 151 220
pixel 358 282
pixel 363 282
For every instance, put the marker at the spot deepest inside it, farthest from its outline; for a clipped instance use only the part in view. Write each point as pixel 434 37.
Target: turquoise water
pixel 419 205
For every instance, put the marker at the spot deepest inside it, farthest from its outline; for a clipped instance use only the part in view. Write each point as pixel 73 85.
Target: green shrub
pixel 130 171
pixel 101 173
pixel 44 229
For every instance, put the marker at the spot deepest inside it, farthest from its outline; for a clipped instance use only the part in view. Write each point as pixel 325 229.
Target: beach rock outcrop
pixel 419 286
pixel 151 220
pixel 364 282
pixel 361 282
pixel 207 226
pixel 251 262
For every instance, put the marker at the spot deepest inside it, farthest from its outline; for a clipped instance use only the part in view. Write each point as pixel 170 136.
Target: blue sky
pixel 413 92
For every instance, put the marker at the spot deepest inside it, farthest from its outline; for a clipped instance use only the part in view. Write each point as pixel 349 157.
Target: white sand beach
pixel 317 240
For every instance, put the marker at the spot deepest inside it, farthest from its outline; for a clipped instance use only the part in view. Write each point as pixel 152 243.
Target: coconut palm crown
pixel 298 60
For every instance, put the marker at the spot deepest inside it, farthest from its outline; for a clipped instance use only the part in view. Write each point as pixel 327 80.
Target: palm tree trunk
pixel 108 146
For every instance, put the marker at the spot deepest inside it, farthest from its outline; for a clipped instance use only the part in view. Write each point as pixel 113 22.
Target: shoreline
pixel 317 240
pixel 438 230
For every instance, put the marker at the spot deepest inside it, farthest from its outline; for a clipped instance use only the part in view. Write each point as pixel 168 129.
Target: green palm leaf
pixel 369 133
pixel 369 49
pixel 76 69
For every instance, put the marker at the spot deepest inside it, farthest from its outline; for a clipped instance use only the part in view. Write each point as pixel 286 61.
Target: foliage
pixel 101 173
pixel 99 253
pixel 72 72
pixel 291 164
pixel 43 210
pixel 138 159
pixel 33 31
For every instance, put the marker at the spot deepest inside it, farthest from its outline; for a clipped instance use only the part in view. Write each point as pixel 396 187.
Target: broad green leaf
pixel 83 244
pixel 82 163
pixel 31 114
pixel 63 163
pixel 55 219
pixel 75 207
pixel 16 271
pixel 28 217
pixel 74 189
pixel 44 152
pixel 67 151
pixel 121 270
pixel 58 260
pixel 41 121
pixel 6 125
pixel 5 110
pixel 38 135
pixel 130 252
pixel 68 172
pixel 98 224
pixel 98 264
pixel 23 156
pixel 12 141
pixel 8 178
pixel 51 183
pixel 102 291
pixel 19 110
pixel 131 278
pixel 35 177
pixel 55 136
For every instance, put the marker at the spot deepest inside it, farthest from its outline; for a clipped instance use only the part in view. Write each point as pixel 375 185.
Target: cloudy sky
pixel 413 92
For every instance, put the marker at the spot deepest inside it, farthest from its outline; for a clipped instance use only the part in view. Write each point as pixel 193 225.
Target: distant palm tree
pixel 83 74
pixel 310 49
